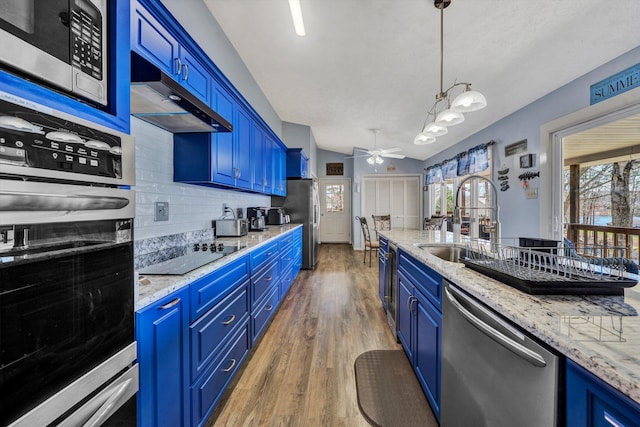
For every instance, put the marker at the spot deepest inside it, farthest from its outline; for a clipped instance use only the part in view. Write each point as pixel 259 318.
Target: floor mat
pixel 388 391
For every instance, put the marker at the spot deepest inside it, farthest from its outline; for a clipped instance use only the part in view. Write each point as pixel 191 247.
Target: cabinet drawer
pixel 423 277
pixel 206 392
pixel 263 280
pixel 211 331
pixel 263 313
pixel 286 280
pixel 210 289
pixel 263 255
pixel 286 240
pixel 286 258
pixel 384 244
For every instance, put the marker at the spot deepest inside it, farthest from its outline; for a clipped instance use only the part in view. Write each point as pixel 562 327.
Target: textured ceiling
pixel 375 63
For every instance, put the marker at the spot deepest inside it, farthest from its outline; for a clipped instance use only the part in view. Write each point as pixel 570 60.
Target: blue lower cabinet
pixel 286 280
pixel 264 280
pixel 209 333
pixel 206 392
pixel 162 336
pixel 428 330
pixel 593 403
pixel 263 312
pixel 420 323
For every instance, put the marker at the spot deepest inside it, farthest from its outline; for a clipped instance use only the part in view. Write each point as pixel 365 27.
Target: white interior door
pixel 335 210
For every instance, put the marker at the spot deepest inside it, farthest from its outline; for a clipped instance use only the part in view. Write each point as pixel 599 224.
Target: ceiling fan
pixel 377 156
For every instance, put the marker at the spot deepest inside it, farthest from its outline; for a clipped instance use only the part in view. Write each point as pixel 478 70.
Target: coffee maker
pixel 256 217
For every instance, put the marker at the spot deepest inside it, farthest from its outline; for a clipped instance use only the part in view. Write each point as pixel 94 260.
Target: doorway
pixel 335 210
pixel 552 158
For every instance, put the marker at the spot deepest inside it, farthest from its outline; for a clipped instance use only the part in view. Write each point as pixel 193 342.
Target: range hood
pixel 158 99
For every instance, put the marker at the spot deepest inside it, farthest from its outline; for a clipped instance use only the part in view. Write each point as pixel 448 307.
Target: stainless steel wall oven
pixel 67 346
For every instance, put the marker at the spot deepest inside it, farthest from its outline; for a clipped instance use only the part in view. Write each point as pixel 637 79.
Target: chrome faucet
pixel 494 228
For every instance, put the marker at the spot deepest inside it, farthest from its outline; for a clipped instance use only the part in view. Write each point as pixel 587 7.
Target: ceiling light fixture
pixel 296 14
pixel 467 101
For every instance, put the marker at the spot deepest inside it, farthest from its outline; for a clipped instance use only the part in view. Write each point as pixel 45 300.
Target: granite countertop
pixel 600 333
pixel 150 288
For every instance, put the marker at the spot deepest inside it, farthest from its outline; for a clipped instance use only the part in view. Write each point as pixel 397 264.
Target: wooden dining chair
pixel 369 245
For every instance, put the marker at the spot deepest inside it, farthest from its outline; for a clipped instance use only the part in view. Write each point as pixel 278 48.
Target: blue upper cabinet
pixel 223 171
pixel 251 157
pixel 297 163
pixel 115 114
pixel 243 151
pixel 151 40
pixel 258 181
pixel 279 170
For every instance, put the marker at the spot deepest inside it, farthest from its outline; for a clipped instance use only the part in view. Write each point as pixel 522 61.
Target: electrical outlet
pixel 161 211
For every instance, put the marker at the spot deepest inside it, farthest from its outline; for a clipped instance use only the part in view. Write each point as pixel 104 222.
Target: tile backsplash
pixel 191 207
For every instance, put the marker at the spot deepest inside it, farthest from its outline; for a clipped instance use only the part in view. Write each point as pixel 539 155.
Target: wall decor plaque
pixel 335 169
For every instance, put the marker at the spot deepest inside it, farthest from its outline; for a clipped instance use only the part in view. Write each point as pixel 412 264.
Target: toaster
pixel 276 216
pixel 231 227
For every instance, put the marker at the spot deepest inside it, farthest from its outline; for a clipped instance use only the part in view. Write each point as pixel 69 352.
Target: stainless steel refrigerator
pixel 302 204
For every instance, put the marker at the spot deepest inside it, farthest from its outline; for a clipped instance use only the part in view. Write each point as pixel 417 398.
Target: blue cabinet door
pixel 428 330
pixel 297 163
pixel 223 162
pixel 592 403
pixel 152 41
pixel 194 76
pixel 279 170
pixel 162 336
pixel 269 146
pixel 243 132
pixel 259 182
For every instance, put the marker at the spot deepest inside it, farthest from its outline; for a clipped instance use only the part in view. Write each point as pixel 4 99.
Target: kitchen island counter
pixel 600 333
pixel 150 288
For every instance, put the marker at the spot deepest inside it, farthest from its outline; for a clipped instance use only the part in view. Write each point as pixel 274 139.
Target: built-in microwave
pixel 60 42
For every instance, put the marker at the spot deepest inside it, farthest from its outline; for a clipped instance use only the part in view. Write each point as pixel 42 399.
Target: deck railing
pixel 605 241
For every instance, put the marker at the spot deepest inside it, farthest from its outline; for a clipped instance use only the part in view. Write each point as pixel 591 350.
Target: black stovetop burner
pixel 196 256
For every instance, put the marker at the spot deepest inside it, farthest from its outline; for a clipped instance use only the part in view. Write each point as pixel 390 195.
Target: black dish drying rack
pixel 546 271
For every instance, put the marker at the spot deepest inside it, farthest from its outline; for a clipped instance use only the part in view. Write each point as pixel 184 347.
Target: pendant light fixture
pixel 468 100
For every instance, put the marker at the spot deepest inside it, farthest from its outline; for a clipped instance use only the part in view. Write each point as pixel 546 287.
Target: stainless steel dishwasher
pixel 493 374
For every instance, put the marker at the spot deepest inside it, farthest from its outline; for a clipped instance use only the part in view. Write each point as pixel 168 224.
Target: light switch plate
pixel 532 193
pixel 161 211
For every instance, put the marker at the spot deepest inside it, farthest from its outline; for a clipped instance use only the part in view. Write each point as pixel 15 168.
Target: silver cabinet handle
pixel 521 351
pixel 233 363
pixel 270 278
pixel 186 72
pixel 230 321
pixel 611 420
pixel 269 307
pixel 178 66
pixel 170 304
pixel 107 409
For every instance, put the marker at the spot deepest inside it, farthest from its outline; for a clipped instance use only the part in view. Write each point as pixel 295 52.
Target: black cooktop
pixel 196 256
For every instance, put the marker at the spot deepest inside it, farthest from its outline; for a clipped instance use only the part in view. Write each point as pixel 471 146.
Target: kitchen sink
pixel 446 252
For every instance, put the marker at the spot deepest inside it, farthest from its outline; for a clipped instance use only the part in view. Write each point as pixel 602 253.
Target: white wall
pixel 205 30
pixel 521 217
pixel 191 207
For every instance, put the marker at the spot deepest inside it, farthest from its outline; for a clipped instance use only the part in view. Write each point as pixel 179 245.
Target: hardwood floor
pixel 301 373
